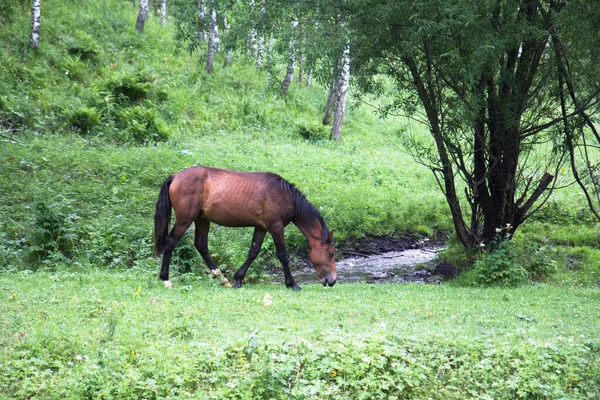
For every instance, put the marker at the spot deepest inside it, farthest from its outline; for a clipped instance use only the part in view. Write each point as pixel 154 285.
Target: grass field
pixel 123 335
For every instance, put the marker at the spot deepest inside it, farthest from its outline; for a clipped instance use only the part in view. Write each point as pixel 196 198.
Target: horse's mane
pixel 304 211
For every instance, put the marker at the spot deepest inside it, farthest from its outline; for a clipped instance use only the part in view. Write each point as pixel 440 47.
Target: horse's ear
pixel 330 237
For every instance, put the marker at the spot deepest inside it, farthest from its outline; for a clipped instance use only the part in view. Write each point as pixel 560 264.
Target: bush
pixel 84 119
pixel 129 88
pixel 52 234
pixel 141 125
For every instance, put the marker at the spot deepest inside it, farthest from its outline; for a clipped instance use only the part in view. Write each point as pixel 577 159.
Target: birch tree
pixel 202 20
pixel 34 38
pixel 226 28
pixel 212 38
pixel 261 39
pixel 143 14
pixel 163 12
pixel 340 94
pixel 285 85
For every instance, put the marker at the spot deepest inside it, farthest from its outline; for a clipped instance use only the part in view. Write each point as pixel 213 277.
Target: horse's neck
pixel 312 231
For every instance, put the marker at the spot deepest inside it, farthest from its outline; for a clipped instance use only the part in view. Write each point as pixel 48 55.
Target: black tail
pixel 162 217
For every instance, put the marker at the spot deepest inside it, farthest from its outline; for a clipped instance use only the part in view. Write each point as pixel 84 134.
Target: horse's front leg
pixel 283 256
pixel 257 241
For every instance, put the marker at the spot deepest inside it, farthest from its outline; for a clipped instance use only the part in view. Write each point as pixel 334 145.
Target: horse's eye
pixel 330 254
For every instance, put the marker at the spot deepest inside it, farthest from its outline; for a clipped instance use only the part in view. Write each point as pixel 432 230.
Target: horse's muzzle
pixel 328 281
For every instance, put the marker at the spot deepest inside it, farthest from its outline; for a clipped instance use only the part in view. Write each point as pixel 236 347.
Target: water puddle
pixel 393 266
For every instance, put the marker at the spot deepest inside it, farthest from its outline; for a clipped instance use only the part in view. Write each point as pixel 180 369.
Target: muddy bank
pixel 379 259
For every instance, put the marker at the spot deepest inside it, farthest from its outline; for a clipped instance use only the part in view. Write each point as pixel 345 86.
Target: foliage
pixel 52 235
pixel 84 119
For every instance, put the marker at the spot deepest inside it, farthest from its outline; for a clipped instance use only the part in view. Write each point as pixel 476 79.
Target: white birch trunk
pixel 269 58
pixel 285 85
pixel 34 38
pixel 163 12
pixel 340 101
pixel 300 61
pixel 202 20
pixel 227 51
pixel 141 20
pixel 212 39
pixel 261 40
pixel 252 36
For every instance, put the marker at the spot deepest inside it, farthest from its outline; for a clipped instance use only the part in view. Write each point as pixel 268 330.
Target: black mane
pixel 304 211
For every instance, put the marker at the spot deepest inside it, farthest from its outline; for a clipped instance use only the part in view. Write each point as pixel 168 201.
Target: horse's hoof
pixel 226 284
pixel 294 286
pixel 168 284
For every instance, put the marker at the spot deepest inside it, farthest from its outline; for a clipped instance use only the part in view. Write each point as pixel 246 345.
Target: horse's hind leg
pixel 201 243
pixel 257 241
pixel 176 233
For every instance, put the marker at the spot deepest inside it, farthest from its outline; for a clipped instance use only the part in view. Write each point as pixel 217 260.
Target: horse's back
pixel 229 198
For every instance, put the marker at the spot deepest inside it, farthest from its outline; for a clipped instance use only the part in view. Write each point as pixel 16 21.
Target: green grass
pixel 122 335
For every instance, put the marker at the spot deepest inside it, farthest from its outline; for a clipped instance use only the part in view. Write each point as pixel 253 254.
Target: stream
pixel 390 267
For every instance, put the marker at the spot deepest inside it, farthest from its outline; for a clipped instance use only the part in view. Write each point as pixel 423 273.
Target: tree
pixel 341 88
pixel 483 77
pixel 34 38
pixel 291 59
pixel 143 14
pixel 213 37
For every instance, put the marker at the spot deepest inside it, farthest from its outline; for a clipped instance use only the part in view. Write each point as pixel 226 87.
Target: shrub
pixel 313 132
pixel 129 88
pixel 500 267
pixel 84 119
pixel 52 234
pixel 141 125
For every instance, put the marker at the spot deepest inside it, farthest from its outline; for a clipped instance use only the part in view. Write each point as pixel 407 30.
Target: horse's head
pixel 322 257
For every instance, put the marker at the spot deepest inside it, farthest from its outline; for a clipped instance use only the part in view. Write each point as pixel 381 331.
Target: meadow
pixel 84 315
pixel 123 335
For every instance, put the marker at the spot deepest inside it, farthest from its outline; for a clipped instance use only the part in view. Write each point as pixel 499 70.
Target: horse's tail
pixel 162 217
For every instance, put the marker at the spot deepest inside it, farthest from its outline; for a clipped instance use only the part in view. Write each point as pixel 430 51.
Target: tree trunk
pixel 261 39
pixel 227 51
pixel 202 20
pixel 34 38
pixel 163 12
pixel 285 85
pixel 252 36
pixel 330 102
pixel 212 38
pixel 141 20
pixel 300 61
pixel 269 58
pixel 340 99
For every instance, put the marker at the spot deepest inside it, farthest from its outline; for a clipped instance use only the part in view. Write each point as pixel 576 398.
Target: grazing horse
pixel 230 198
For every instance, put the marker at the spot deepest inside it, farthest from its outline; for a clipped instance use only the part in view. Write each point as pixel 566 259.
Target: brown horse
pixel 260 199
